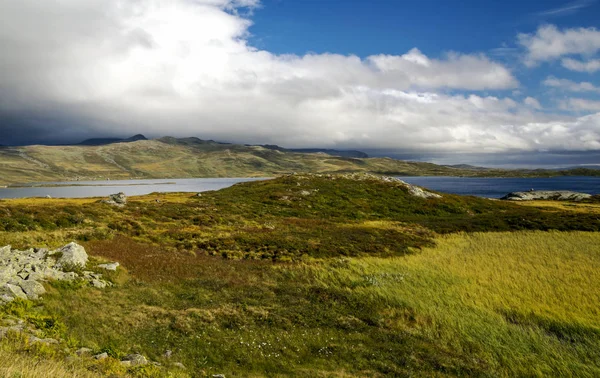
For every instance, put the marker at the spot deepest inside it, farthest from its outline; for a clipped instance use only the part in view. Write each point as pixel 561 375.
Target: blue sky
pixel 365 28
pixel 445 81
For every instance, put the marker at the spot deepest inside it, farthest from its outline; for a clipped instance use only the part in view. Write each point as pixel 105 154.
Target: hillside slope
pixel 169 157
pixel 313 276
pixel 178 158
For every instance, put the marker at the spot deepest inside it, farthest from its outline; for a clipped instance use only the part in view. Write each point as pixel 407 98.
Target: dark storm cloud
pixel 74 69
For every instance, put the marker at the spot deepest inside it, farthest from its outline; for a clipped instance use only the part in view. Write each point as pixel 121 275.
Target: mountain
pixel 342 153
pixel 170 157
pixel 104 141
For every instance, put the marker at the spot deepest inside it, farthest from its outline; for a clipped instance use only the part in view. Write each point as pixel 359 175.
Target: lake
pixel 497 187
pixel 482 187
pixel 82 189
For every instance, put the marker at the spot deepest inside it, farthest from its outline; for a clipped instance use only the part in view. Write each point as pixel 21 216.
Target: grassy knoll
pixel 321 276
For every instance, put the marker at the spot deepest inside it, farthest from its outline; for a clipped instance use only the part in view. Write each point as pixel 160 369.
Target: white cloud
pixel 533 103
pixel 569 85
pixel 472 72
pixel 566 9
pixel 550 43
pixel 186 68
pixel 589 66
pixel 580 104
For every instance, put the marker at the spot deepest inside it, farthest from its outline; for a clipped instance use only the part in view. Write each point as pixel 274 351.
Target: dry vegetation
pixel 355 279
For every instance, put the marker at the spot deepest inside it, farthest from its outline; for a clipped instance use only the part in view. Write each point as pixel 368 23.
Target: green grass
pixel 355 278
pixel 489 304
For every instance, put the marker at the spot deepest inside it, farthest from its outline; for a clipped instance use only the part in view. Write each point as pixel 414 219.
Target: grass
pixel 355 278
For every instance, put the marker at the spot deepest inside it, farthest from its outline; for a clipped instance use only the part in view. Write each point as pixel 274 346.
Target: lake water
pixel 482 187
pixel 498 187
pixel 82 189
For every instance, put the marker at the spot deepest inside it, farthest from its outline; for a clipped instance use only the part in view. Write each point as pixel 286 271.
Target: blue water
pixel 498 187
pixel 82 189
pixel 482 187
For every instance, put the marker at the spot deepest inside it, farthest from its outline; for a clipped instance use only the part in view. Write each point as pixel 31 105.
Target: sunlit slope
pixel 179 158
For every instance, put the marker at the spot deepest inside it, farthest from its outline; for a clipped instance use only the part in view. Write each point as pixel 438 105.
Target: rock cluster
pixel 22 272
pixel 412 189
pixel 556 195
pixel 119 199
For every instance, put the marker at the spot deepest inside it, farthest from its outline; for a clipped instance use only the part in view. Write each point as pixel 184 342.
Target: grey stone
pixel 73 255
pixel 83 351
pixel 119 198
pixel 7 273
pixel 556 195
pixel 179 365
pixel 168 353
pixel 111 266
pixel 99 284
pixel 135 359
pixel 14 291
pixel 101 356
pixel 33 339
pixel 33 289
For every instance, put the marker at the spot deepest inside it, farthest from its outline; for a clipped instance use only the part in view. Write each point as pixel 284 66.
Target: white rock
pixel 82 351
pixel 111 266
pixel 14 291
pixel 135 359
pixel 101 356
pixel 72 255
pixel 99 284
pixel 33 289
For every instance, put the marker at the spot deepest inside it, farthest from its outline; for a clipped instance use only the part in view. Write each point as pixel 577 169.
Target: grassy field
pixel 356 278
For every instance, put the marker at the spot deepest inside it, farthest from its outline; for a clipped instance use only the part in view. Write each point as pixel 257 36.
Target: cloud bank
pixel 79 68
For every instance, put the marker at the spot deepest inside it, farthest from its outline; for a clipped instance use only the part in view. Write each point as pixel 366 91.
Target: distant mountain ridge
pixel 169 157
pixel 332 152
pixel 104 141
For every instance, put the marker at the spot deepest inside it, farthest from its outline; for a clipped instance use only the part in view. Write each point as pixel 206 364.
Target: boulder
pixel 14 291
pixel 119 198
pixel 5 250
pixel 101 356
pixel 111 266
pixel 72 255
pixel 99 284
pixel 555 195
pixel 83 351
pixel 32 289
pixel 33 339
pixel 134 360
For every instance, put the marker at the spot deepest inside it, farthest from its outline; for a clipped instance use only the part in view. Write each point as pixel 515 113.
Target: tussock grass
pixel 353 279
pixel 491 304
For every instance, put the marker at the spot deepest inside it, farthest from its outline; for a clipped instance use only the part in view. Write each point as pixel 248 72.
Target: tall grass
pixel 490 304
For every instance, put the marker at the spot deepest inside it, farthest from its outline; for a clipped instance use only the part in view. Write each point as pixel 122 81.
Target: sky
pixel 478 81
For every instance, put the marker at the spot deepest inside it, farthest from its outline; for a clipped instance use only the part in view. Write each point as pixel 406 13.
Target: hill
pixel 169 157
pixel 313 276
pixel 103 141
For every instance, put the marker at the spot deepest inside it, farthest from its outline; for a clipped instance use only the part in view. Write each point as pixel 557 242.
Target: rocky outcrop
pixel 412 189
pixel 555 195
pixel 119 199
pixel 22 272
